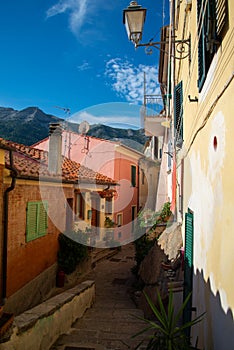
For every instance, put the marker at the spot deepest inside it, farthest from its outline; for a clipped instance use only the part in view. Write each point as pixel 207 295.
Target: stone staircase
pixel 113 319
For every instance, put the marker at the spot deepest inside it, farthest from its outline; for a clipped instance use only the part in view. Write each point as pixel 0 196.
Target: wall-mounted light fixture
pixel 134 19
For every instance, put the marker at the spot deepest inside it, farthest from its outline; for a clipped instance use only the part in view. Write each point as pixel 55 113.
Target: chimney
pixel 55 149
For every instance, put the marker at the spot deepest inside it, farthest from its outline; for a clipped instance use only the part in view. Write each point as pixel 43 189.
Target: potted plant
pixel 168 333
pixel 147 217
pixel 165 213
pixel 108 223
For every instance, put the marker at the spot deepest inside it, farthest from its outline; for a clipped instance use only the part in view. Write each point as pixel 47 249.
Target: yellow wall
pixel 208 181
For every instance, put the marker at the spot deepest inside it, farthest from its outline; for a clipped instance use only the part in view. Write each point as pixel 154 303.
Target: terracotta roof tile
pixel 31 162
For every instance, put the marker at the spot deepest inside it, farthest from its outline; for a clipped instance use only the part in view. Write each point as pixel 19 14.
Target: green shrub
pixel 72 250
pixel 147 218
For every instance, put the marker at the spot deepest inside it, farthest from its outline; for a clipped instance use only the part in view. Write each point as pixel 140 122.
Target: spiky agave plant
pixel 168 334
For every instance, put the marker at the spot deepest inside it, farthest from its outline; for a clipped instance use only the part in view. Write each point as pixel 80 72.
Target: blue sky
pixel 75 54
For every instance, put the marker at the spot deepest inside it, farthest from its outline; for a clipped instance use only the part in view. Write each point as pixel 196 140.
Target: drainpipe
pixel 13 174
pixel 138 184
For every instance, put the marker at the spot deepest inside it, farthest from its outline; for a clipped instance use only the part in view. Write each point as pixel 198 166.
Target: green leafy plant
pixel 169 334
pixel 147 217
pixel 108 222
pixel 72 250
pixel 150 218
pixel 165 212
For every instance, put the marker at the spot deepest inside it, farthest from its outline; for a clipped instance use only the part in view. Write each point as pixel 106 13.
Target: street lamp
pixel 134 19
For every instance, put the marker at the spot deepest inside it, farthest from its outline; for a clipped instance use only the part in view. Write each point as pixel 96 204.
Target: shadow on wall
pixel 216 331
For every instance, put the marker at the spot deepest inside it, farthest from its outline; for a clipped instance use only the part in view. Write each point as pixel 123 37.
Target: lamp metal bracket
pixel 182 47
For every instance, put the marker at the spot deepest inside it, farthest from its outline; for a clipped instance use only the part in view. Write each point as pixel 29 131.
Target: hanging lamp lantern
pixel 134 19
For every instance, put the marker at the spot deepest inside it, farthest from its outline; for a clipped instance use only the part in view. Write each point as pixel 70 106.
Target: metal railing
pixel 153 106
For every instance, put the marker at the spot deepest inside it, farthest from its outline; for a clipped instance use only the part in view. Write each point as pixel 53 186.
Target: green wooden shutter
pixel 188 264
pixel 42 218
pixel 133 175
pixel 178 113
pixel 221 14
pixel 37 220
pixel 31 226
pixel 201 45
pixel 212 23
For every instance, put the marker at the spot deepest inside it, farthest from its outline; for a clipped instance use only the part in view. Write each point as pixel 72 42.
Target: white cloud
pixel 84 66
pixel 118 113
pixel 108 120
pixel 83 17
pixel 128 80
pixel 77 9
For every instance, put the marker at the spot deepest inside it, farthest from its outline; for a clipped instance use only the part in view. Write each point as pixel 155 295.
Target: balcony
pixel 153 115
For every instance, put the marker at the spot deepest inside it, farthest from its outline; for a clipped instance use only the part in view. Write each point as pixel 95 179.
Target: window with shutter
pixel 108 206
pixel 188 264
pixel 42 218
pixel 178 114
pixel 221 17
pixel 37 220
pixel 80 206
pixel 212 22
pixel 133 175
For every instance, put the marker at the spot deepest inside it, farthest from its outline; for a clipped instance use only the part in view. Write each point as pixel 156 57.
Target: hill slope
pixel 31 125
pixel 26 126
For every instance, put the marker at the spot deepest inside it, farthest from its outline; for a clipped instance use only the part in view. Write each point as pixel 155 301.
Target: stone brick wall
pixel 38 328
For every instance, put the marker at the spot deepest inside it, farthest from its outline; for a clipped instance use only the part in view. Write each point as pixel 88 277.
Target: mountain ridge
pixel 31 124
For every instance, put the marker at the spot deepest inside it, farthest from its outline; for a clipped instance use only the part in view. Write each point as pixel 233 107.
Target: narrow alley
pixel 112 320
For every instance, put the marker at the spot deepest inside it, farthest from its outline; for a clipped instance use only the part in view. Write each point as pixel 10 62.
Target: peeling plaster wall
pixel 208 155
pixel 209 189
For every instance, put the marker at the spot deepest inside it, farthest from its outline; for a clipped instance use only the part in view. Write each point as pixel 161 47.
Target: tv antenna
pixel 66 110
pixel 83 129
pixel 67 141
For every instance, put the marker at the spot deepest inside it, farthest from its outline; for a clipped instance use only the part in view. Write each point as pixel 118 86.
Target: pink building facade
pixel 116 161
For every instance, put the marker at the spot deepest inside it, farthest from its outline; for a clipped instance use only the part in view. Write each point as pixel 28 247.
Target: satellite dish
pixel 83 128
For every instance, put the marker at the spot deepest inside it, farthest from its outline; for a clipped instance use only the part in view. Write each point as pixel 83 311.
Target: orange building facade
pixel 118 162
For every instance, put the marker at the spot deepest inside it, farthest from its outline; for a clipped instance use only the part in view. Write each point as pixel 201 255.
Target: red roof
pixel 31 163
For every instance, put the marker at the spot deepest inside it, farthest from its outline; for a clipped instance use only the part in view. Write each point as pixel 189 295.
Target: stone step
pixel 124 313
pixel 119 327
pixel 109 340
pixel 99 254
pixel 113 320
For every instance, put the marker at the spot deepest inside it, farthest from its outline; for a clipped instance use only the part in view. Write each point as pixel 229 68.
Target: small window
pixel 133 175
pixel 178 114
pixel 142 177
pixel 80 205
pixel 89 214
pixel 119 220
pixel 37 220
pixel 108 206
pixel 155 147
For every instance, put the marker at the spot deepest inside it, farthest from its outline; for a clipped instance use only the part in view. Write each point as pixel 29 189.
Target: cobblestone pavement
pixel 112 320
